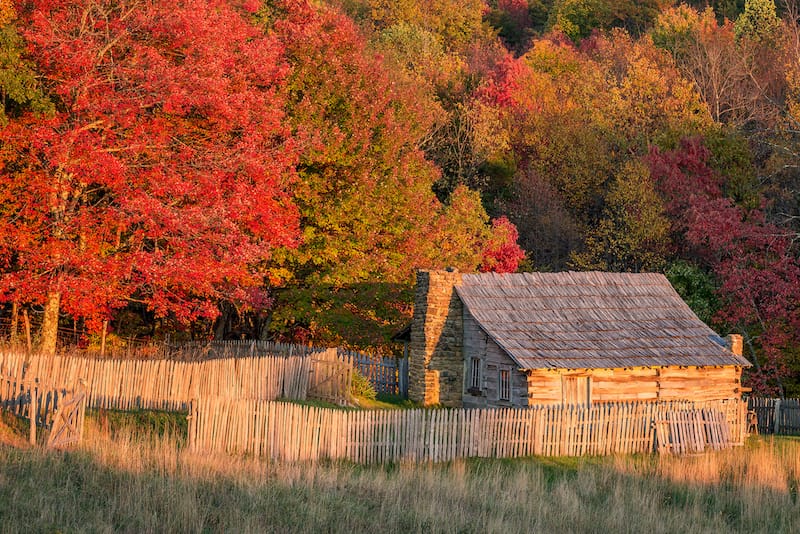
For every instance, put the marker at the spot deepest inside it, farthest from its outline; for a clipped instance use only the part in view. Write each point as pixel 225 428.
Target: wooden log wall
pixel 289 432
pixel 640 384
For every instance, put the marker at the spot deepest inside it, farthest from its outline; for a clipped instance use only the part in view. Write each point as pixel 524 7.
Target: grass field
pixel 131 475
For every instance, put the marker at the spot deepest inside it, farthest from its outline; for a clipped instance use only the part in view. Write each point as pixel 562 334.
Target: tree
pixel 754 261
pixel 162 176
pixel 570 120
pixel 365 187
pixel 502 253
pixel 578 18
pixel 369 215
pixel 454 22
pixel 633 233
pixel 758 22
pixel 19 90
pixel 736 78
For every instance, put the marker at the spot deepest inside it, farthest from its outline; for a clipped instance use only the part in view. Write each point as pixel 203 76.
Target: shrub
pixel 361 386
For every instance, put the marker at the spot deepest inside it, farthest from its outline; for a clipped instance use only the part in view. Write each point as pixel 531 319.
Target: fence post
pixel 82 408
pixel 32 413
pixel 27 322
pixel 776 417
pixel 402 372
pixel 192 424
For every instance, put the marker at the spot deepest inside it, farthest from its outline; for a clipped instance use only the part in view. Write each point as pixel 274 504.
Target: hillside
pixel 278 169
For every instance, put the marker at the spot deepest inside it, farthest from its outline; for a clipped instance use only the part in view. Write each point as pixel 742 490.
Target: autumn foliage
pixel 163 173
pixel 203 152
pixel 279 168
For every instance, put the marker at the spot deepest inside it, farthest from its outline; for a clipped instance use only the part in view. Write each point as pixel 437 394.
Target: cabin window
pixel 576 390
pixel 504 385
pixel 475 374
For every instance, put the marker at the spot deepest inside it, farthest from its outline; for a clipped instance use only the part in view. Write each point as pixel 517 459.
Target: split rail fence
pixel 776 416
pixel 289 432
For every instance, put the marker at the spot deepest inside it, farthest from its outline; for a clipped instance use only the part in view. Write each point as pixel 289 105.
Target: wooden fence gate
pixel 692 431
pixel 330 377
pixel 45 406
pixel 67 428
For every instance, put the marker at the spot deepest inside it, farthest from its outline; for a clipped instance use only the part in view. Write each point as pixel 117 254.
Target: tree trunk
pixel 103 339
pixel 27 321
pixel 50 323
pixel 221 327
pixel 14 323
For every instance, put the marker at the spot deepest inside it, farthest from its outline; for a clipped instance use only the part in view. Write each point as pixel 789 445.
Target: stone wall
pixel 436 362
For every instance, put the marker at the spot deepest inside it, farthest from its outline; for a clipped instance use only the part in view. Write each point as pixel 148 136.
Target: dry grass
pixel 131 481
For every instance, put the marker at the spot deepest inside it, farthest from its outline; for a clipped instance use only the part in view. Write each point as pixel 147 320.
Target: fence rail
pixel 289 432
pixel 776 416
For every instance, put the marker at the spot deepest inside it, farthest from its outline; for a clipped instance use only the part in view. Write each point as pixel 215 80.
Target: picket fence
pixel 170 385
pixel 776 416
pixel 204 350
pixel 289 432
pixel 385 373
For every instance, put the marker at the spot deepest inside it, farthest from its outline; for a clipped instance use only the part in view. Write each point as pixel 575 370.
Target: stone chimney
pixel 734 343
pixel 436 367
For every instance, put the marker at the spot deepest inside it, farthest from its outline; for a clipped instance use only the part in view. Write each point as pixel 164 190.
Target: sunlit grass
pixel 133 480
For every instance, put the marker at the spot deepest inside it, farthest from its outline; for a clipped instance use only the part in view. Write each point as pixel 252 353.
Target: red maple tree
pixel 753 260
pixel 162 176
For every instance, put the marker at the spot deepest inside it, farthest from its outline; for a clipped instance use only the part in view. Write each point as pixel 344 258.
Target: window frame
pixel 504 386
pixel 476 365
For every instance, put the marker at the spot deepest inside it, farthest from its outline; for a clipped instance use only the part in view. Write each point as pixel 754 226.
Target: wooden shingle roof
pixel 589 320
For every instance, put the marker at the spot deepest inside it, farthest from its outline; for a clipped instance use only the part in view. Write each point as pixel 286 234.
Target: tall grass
pixel 125 479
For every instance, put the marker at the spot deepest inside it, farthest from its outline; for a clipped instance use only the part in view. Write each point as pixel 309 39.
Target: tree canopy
pixel 279 168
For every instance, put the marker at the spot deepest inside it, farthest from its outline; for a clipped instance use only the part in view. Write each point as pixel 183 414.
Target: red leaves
pixel 754 261
pixel 164 174
pixel 502 254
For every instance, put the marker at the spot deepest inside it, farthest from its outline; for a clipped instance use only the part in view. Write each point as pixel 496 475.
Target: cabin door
pixel 576 390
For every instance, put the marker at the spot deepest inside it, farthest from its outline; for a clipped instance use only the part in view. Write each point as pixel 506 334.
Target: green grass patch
pixel 152 422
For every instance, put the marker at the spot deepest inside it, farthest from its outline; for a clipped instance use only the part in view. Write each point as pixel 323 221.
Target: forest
pixel 277 169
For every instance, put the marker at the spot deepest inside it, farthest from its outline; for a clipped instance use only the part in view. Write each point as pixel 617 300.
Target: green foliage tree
pixel 578 18
pixel 696 287
pixel 758 23
pixel 365 189
pixel 368 212
pixel 19 89
pixel 454 22
pixel 633 233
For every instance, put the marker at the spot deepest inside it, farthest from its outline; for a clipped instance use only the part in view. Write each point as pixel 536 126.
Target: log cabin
pixel 479 340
